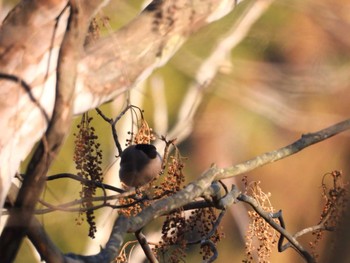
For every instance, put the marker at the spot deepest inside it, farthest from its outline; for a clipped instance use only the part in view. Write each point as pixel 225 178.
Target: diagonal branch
pixel 145 246
pixel 108 67
pixel 198 187
pixel 269 218
pixel 305 141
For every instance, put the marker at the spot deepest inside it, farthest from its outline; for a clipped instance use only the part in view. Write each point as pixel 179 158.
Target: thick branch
pixel 37 235
pixel 200 186
pixel 113 245
pixel 34 180
pixel 109 67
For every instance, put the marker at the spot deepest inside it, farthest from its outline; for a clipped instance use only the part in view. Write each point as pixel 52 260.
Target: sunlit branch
pixel 34 181
pixel 305 141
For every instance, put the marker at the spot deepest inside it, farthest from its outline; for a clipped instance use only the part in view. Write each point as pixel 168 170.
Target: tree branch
pixel 268 217
pixel 48 251
pixel 84 181
pixel 200 186
pixel 34 180
pixel 305 141
pixel 112 248
pixel 145 247
pixel 110 65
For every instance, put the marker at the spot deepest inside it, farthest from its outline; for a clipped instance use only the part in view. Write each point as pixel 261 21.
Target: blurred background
pixel 284 74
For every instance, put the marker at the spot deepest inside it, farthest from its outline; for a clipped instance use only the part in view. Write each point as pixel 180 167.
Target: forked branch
pixel 197 188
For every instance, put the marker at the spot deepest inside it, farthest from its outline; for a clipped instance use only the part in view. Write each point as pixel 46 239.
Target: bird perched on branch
pixel 139 164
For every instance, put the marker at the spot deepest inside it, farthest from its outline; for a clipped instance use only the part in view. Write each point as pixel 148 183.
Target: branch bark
pixel 107 68
pixel 205 187
pixel 305 141
pixel 47 250
pixel 35 177
pixel 199 187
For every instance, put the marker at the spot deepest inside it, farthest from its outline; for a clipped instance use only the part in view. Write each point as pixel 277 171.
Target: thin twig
pixel 28 90
pixel 114 131
pixel 320 226
pixel 114 122
pixel 168 143
pixel 85 181
pixel 312 229
pixel 269 218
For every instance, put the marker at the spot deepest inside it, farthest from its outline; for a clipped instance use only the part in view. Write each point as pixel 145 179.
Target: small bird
pixel 139 164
